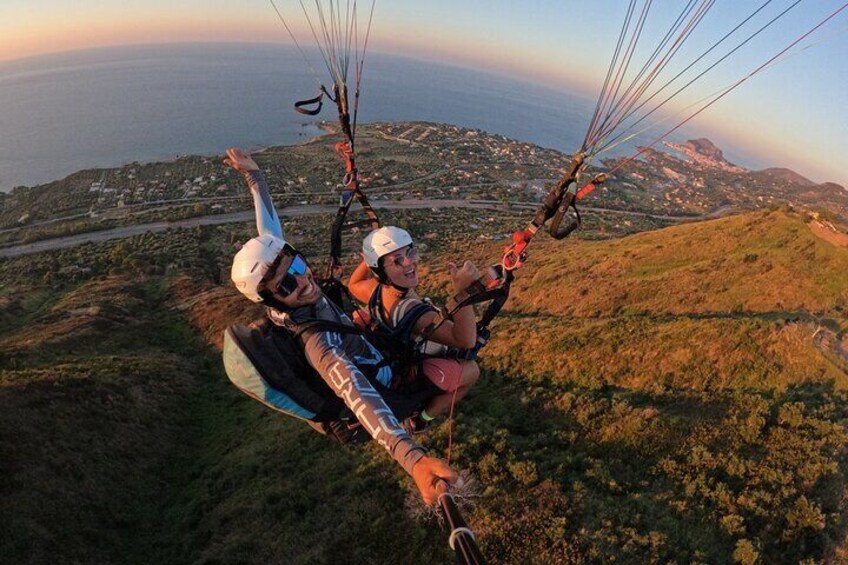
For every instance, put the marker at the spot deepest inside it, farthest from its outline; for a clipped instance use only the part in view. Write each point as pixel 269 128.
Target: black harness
pixel 277 354
pixel 396 343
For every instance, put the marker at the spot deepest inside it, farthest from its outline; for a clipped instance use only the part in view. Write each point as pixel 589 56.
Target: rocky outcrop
pixel 705 147
pixel 788 175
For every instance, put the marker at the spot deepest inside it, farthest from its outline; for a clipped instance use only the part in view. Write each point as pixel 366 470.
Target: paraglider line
pixel 723 94
pixel 629 99
pixel 297 44
pixel 708 69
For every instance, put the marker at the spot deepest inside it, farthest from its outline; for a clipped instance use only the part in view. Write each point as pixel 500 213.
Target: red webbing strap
pixel 346 151
pixel 515 254
pixel 495 285
pixel 587 188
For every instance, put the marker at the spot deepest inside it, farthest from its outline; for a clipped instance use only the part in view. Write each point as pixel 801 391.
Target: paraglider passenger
pixel 269 270
pixel 386 281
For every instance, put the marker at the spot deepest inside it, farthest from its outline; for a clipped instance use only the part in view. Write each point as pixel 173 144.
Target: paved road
pixel 289 211
pixel 293 211
pixel 389 190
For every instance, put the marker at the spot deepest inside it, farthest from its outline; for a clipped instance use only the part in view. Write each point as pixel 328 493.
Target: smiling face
pixel 401 267
pixel 304 289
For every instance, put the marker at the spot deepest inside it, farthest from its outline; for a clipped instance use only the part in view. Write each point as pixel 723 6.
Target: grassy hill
pixel 121 440
pixel 676 395
pixel 729 303
pixel 671 396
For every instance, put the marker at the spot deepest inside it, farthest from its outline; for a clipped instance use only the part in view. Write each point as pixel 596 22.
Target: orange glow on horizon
pixel 113 27
pixel 542 72
pixel 476 53
pixel 57 37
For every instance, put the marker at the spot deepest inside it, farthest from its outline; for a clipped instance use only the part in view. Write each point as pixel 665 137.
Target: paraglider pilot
pixel 269 270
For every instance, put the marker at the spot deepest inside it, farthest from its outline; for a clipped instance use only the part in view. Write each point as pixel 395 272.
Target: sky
pixel 792 114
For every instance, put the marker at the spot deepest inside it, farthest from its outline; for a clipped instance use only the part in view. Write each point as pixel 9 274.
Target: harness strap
pixel 406 323
pixel 344 151
pixel 555 206
pixel 400 334
pixel 569 201
pixel 443 315
pixel 515 255
pixel 350 181
pixel 302 106
pixel 498 301
pixel 495 285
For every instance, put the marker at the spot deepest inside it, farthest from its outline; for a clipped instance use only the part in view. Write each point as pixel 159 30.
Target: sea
pixel 107 107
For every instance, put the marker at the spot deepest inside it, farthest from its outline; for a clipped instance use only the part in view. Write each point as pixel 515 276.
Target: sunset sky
pixel 793 114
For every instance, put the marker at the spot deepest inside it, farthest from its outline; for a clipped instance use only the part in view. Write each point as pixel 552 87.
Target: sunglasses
pixel 288 283
pixel 410 254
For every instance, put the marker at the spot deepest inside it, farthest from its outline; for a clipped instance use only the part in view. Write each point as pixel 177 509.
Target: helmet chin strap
pixel 399 288
pixel 380 272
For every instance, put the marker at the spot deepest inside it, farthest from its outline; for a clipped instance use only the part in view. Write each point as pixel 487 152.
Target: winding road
pixel 289 211
pixel 217 219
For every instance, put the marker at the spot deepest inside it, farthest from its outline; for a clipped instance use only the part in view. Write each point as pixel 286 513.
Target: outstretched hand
pixel 240 161
pixel 432 476
pixel 463 277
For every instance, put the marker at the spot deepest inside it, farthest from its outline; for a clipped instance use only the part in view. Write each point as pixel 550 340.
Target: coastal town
pixel 422 161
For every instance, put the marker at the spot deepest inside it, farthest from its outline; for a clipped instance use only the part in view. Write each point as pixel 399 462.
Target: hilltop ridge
pixel 788 175
pixel 695 292
pixel 652 392
pixel 709 266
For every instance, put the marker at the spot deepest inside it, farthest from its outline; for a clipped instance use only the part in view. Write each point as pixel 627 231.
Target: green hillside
pixel 672 396
pixel 676 395
pixel 726 303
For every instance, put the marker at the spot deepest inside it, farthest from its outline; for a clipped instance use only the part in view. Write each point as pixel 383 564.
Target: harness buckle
pixel 346 153
pixel 515 255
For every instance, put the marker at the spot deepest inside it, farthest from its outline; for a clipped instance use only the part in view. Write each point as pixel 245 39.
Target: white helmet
pixel 251 263
pixel 383 241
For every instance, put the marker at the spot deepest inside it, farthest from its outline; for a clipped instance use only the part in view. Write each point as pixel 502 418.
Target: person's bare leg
pixel 441 404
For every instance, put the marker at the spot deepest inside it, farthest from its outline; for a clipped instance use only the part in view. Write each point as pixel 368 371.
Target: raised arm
pixel 267 221
pixel 362 283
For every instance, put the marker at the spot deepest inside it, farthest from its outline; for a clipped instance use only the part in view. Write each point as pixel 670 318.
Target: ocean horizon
pixel 111 106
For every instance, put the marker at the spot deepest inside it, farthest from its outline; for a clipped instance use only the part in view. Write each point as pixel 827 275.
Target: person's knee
pixel 470 373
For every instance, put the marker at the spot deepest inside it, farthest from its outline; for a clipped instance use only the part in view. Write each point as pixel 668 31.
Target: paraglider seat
pixel 267 362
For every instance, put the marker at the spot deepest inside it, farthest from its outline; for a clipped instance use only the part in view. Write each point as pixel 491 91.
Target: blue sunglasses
pixel 298 267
